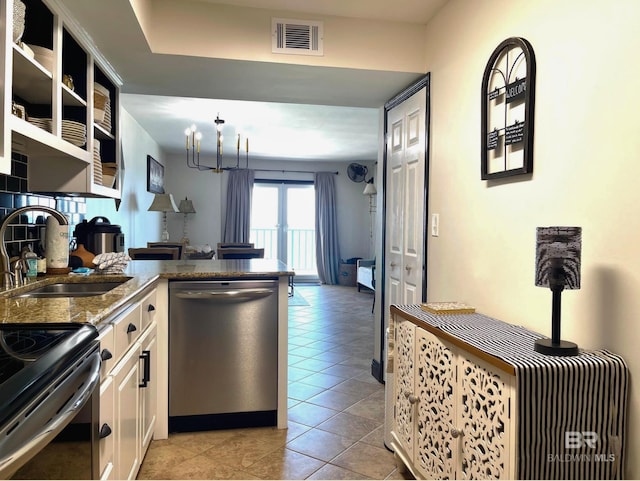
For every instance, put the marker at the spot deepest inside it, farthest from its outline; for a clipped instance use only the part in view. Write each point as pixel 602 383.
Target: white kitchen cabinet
pixel 106 443
pixel 35 87
pixel 452 417
pixel 126 378
pixel 148 387
pixel 129 387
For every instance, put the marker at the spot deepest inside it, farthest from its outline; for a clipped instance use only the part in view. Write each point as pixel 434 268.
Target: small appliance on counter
pixel 99 236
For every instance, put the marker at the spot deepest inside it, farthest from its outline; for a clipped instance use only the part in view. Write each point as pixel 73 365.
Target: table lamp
pixel 557 267
pixel 186 208
pixel 163 203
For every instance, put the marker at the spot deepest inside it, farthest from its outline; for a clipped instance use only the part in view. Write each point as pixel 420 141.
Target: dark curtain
pixel 327 252
pixel 239 190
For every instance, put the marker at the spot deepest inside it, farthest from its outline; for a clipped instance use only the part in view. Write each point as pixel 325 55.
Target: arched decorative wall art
pixel 508 99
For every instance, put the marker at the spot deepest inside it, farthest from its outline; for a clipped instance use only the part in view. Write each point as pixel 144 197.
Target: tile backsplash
pixel 14 193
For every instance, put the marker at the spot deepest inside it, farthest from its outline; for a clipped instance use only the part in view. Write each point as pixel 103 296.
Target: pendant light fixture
pixel 193 140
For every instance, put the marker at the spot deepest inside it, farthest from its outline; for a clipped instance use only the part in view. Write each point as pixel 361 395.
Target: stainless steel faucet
pixel 5 267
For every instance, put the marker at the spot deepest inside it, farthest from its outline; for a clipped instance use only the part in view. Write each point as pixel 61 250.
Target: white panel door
pixel 404 250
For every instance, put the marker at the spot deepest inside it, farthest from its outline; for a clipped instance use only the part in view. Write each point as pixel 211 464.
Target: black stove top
pixel 33 354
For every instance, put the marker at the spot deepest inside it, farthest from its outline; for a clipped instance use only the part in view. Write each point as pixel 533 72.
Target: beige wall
pixel 222 31
pixel 586 166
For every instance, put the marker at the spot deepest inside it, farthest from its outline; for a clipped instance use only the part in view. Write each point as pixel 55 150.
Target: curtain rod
pixel 293 171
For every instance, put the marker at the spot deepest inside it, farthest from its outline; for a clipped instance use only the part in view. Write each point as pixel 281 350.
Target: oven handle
pixel 58 422
pixel 230 295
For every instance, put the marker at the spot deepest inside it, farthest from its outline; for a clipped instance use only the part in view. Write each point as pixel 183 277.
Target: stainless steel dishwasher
pixel 223 354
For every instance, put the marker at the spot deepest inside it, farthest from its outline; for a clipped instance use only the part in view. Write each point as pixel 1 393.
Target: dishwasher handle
pixel 225 296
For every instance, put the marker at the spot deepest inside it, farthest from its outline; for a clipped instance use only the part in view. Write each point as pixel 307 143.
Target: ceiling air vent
pixel 301 37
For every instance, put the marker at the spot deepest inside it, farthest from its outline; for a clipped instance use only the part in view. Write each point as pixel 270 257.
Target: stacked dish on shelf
pixel 97 163
pixel 102 106
pixel 74 132
pixel 44 124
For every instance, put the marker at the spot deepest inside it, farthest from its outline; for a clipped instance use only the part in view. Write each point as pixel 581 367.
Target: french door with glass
pixel 283 223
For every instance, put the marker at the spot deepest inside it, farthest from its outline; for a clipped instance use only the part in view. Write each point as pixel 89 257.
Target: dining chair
pixel 240 253
pixel 234 245
pixel 179 245
pixel 154 253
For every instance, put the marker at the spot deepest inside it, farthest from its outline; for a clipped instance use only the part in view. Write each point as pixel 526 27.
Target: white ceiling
pixel 288 112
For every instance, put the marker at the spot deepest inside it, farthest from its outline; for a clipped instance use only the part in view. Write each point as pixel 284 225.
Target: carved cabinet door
pixel 404 384
pixel 484 420
pixel 435 386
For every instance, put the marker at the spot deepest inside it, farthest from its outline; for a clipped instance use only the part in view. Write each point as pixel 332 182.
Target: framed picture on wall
pixel 155 176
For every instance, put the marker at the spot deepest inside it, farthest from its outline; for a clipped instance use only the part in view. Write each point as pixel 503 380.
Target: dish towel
pixel 111 262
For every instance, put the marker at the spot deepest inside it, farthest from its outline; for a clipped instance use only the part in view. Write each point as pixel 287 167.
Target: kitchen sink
pixel 75 289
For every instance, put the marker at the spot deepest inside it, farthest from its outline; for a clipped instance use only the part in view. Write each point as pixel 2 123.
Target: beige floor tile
pixel 310 414
pixel 275 435
pixel 322 380
pixel 320 444
pixel 300 390
pixel 161 457
pixel 375 438
pixel 329 472
pixel 203 467
pixel 313 364
pixel 350 426
pixel 199 442
pixel 377 463
pixel 285 464
pixel 296 374
pixel 355 386
pixel 400 474
pixel 241 451
pixel 371 407
pixel 338 401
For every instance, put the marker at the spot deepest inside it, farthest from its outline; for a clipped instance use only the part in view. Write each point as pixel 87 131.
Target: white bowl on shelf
pixel 43 55
pixel 108 180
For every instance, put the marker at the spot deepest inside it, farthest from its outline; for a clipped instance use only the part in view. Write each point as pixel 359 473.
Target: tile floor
pixel 336 408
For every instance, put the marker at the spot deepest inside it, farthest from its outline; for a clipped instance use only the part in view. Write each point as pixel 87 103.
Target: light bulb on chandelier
pixel 193 140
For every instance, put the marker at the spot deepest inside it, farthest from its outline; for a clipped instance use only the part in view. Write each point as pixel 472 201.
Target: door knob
pixel 407 268
pixel 456 432
pixel 393 264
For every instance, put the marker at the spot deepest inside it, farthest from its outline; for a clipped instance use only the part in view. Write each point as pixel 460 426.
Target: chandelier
pixel 193 138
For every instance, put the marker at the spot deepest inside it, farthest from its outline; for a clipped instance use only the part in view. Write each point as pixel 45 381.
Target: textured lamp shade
pixel 558 268
pixel 558 252
pixel 186 207
pixel 163 203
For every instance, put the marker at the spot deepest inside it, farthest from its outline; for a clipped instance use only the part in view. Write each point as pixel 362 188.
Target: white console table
pixel 473 400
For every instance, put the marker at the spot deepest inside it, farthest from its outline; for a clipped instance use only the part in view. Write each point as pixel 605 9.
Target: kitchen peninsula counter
pixel 138 276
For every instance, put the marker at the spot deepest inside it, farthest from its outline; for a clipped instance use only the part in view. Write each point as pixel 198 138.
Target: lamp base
pixel 564 348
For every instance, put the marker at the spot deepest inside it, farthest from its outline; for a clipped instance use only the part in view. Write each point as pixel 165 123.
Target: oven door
pixel 55 436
